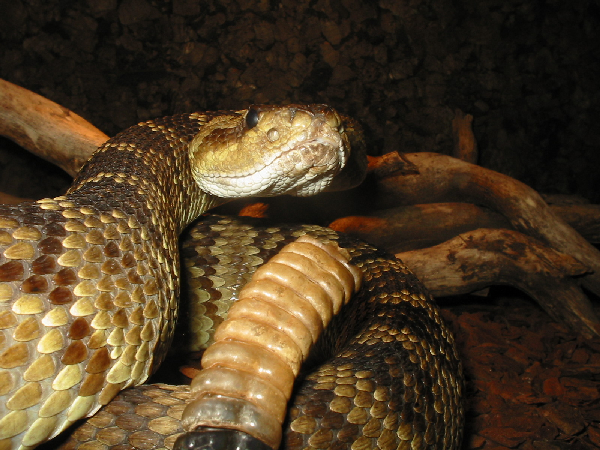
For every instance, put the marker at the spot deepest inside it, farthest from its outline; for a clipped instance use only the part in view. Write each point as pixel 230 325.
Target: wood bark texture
pixel 49 130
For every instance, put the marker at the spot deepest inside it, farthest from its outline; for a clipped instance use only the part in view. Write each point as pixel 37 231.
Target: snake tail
pixel 249 371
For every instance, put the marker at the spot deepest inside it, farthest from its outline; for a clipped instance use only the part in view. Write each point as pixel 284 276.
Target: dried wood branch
pixel 9 199
pixel 418 226
pixel 445 179
pixel 465 145
pixel 483 257
pixel 412 227
pixel 49 130
pixel 584 218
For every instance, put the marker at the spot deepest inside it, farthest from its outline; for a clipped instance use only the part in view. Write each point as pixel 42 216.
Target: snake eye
pixel 252 118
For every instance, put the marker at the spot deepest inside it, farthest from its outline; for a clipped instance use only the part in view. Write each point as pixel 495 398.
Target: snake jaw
pixel 285 150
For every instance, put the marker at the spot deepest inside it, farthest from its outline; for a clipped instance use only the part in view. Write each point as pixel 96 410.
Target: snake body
pixel 90 286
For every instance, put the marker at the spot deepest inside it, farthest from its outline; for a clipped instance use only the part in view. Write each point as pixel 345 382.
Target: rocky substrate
pixel 531 384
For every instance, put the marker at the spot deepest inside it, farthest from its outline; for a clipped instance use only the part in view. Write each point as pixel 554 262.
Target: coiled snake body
pixel 90 285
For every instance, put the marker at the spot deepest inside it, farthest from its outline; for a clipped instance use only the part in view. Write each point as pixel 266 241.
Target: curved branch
pixel 465 145
pixel 9 199
pixel 47 129
pixel 443 178
pixel 484 257
pixel 411 227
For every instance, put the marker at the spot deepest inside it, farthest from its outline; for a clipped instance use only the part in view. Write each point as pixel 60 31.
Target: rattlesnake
pixel 90 285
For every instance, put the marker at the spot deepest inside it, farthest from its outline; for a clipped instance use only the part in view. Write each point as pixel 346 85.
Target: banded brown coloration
pixel 249 371
pixel 89 281
pixel 384 374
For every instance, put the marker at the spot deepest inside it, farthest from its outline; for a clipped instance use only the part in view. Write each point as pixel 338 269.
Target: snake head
pixel 270 150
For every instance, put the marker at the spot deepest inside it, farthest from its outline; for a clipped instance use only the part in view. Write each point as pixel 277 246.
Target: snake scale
pixel 89 289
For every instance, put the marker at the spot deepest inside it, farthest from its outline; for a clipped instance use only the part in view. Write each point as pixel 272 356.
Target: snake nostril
pixel 302 119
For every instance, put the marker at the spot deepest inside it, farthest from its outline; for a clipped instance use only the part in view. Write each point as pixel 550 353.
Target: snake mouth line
pixel 284 172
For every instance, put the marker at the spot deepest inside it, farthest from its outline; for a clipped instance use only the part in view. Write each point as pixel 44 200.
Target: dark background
pixel 528 71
